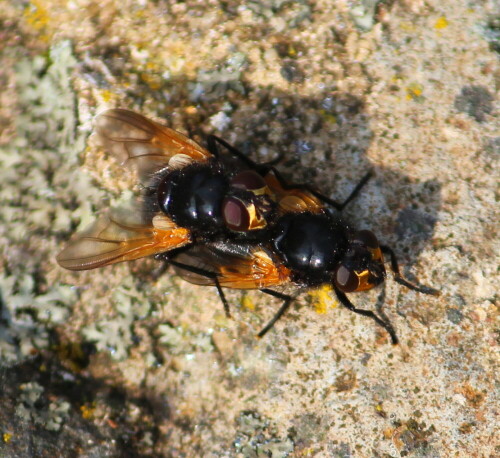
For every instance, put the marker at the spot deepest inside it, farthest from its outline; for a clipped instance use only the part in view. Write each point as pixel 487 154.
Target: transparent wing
pixel 121 235
pixel 144 145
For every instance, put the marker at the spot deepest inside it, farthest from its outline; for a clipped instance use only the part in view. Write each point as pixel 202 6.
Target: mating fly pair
pixel 223 220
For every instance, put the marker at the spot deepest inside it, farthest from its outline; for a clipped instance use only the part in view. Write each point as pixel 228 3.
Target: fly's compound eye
pixel 370 243
pixel 365 276
pixel 346 280
pixel 241 215
pixel 249 181
pixel 240 211
pixel 236 214
pixel 367 238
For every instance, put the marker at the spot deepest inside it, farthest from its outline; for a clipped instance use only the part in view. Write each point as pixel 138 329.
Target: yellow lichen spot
pixel 6 437
pixel 328 117
pixel 191 110
pixel 292 52
pixel 140 14
pixel 407 26
pixel 414 91
pixel 322 299
pixel 220 320
pixel 107 95
pixel 247 303
pixel 152 80
pixel 151 66
pixel 441 23
pixel 87 411
pixel 37 17
pixel 388 433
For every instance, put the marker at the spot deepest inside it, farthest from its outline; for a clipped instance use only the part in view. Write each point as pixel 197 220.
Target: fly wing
pixel 236 266
pixel 144 145
pixel 121 235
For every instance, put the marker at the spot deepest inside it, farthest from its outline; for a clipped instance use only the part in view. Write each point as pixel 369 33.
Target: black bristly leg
pixel 205 273
pixel 379 306
pixel 351 196
pixel 264 168
pixel 261 168
pixel 357 189
pixel 368 313
pixel 165 258
pixel 287 300
pixel 399 279
pixel 212 147
pixel 160 270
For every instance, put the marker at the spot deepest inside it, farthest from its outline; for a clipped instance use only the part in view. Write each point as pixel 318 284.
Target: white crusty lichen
pixel 115 334
pixel 25 315
pixel 30 409
pixel 36 168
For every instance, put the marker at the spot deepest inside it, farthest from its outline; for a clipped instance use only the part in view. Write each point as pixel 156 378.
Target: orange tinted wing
pixel 291 199
pixel 143 144
pixel 118 237
pixel 236 266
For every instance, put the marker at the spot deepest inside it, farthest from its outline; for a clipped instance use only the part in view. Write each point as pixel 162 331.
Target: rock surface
pixel 113 363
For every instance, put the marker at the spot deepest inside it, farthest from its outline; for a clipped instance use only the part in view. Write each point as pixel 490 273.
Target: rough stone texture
pixel 111 363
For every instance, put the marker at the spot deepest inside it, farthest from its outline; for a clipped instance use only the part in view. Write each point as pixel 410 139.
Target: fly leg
pixel 384 323
pixel 287 300
pixel 205 273
pixel 399 279
pixel 267 166
pixel 262 169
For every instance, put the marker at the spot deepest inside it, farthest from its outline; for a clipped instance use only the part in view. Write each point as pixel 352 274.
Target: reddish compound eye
pixel 235 213
pixel 346 280
pixel 367 238
pixel 249 181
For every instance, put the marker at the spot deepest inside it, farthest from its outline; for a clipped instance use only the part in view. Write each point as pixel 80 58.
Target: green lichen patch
pixel 256 437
